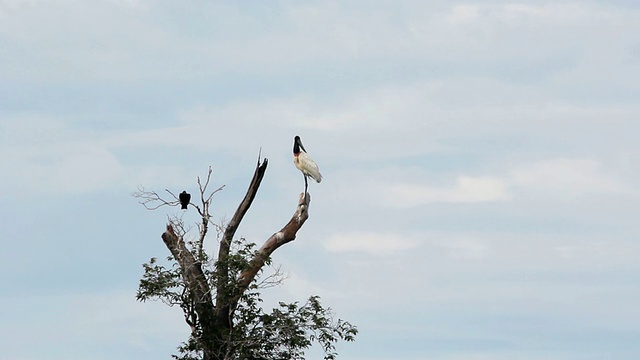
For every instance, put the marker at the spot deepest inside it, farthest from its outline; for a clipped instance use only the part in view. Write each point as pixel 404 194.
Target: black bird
pixel 185 198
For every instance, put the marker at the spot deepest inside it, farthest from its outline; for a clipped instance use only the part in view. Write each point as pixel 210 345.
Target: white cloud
pixel 511 269
pixel 462 247
pixel 461 14
pixel 75 324
pixel 289 36
pixel 370 242
pixel 566 178
pixel 552 179
pixel 44 155
pixel 466 189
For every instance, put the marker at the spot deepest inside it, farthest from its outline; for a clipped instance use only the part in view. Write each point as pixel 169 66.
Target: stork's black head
pixel 297 145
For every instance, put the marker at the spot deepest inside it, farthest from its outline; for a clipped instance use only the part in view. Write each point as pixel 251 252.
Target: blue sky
pixel 479 163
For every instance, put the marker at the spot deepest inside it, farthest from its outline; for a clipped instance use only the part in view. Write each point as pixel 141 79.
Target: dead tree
pixel 210 295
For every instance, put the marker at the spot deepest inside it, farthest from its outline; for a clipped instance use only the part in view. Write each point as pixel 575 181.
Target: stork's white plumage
pixel 308 167
pixel 304 162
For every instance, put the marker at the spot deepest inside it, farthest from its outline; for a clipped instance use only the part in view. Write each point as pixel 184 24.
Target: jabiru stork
pixel 184 198
pixel 304 163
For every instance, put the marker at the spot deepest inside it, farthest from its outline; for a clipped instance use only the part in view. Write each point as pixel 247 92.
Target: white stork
pixel 304 163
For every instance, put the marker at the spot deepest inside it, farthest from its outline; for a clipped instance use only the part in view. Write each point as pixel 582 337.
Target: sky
pixel 478 158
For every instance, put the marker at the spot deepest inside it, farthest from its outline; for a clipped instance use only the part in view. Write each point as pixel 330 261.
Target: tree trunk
pixel 197 283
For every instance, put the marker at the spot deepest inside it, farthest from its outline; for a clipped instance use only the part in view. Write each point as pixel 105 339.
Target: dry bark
pixel 197 283
pixel 285 235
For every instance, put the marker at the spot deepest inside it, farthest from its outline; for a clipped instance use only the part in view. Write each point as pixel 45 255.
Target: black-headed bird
pixel 304 163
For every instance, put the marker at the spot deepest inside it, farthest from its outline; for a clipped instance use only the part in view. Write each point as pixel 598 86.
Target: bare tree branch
pixel 147 198
pixel 285 235
pixel 222 299
pixel 204 212
pixel 206 201
pixel 244 206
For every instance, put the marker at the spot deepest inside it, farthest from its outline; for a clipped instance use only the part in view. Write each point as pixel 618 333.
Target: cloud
pixel 513 269
pixel 553 179
pixel 370 242
pixel 45 155
pixel 466 189
pixel 565 178
pixel 322 38
pixel 424 116
pixel 461 247
pixel 76 325
pixel 54 155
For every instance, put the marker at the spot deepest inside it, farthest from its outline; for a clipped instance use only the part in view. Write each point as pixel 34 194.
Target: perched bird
pixel 185 198
pixel 304 163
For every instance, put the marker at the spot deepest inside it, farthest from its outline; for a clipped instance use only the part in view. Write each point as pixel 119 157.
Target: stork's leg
pixel 306 185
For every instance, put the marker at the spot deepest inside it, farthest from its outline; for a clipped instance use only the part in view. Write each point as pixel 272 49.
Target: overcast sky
pixel 480 163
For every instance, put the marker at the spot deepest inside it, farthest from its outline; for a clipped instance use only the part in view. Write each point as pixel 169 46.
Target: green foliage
pixel 189 350
pixel 160 283
pixel 284 333
pixel 287 331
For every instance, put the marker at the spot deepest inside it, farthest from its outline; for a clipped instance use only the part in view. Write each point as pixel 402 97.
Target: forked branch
pixel 213 318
